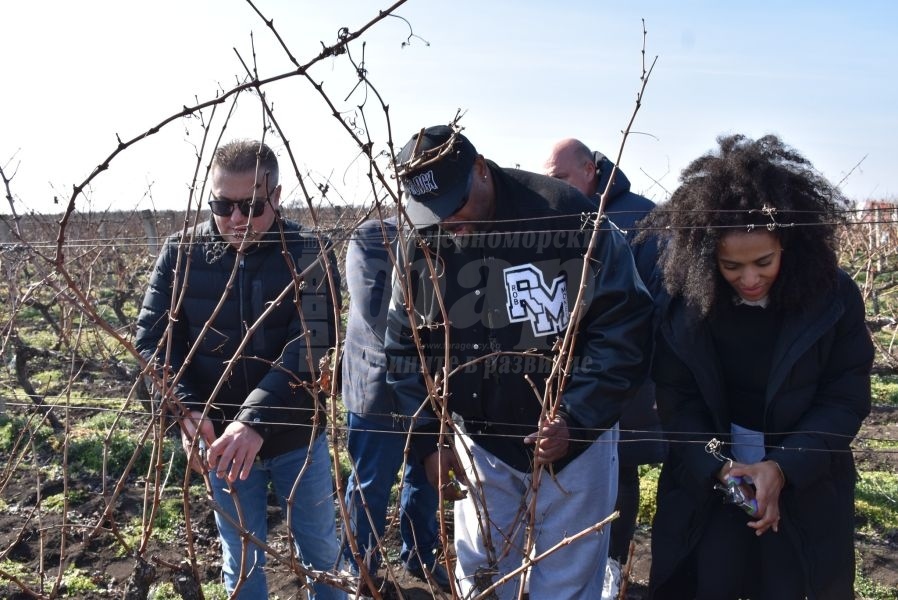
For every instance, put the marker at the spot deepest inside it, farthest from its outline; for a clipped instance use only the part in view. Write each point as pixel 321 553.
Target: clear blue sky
pixel 822 75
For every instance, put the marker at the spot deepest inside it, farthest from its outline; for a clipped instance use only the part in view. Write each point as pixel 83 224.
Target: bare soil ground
pixel 37 544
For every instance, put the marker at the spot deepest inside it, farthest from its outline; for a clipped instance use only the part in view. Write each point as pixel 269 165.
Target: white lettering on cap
pixel 421 184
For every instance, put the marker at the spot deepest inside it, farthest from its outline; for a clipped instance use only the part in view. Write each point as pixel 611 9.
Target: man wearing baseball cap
pixel 481 302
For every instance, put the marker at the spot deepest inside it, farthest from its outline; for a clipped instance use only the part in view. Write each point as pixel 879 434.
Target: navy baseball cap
pixel 435 170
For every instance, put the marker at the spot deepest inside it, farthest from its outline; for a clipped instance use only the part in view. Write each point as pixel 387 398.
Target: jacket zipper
pixel 241 285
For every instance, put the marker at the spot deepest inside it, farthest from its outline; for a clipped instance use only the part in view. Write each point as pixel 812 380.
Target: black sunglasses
pixel 248 206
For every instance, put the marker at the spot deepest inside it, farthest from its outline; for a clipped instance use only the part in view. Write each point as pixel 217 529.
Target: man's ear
pixel 593 171
pixel 480 168
pixel 275 198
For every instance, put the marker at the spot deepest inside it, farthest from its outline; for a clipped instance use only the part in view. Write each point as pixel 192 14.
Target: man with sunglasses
pixel 499 268
pixel 238 314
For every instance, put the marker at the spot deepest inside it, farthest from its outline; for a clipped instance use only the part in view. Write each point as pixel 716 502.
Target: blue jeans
pixel 311 524
pixel 376 450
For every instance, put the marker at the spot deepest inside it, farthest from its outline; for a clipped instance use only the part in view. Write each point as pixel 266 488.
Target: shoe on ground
pixel 611 585
pixel 363 591
pixel 437 574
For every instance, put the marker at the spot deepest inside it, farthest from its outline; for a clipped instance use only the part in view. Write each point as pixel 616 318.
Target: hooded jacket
pixel 817 395
pixel 508 294
pixel 625 209
pixel 267 384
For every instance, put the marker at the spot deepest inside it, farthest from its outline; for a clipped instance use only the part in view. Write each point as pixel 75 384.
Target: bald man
pixel 572 161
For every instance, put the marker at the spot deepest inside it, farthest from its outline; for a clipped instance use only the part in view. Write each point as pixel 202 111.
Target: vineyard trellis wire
pixel 72 286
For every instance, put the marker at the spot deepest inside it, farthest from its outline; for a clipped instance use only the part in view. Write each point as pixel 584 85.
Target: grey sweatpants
pixel 579 496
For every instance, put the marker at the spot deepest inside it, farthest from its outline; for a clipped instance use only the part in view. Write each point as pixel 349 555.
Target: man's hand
pixel 438 466
pixel 194 425
pixel 232 454
pixel 552 441
pixel 768 482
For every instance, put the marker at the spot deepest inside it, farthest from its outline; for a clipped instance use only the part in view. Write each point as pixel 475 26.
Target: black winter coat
pixel 509 291
pixel 266 384
pixel 817 396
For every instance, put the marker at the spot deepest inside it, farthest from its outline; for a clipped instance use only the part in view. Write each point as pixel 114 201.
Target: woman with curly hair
pixel 762 368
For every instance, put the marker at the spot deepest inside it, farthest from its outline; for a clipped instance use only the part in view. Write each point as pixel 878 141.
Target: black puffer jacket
pixel 509 291
pixel 266 385
pixel 818 393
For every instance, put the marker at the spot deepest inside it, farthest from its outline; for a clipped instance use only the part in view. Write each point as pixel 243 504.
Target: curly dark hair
pixel 744 185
